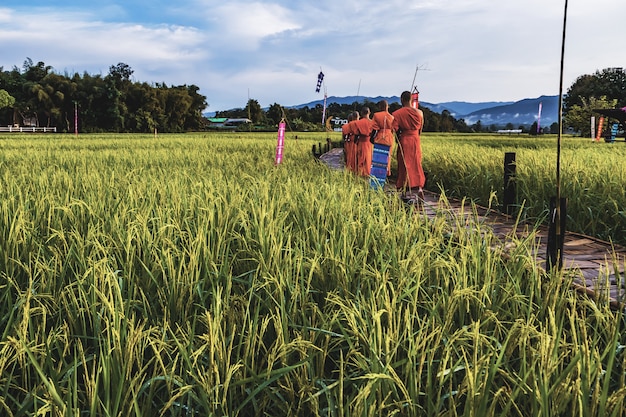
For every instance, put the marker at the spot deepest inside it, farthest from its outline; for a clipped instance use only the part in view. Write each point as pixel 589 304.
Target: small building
pixel 227 123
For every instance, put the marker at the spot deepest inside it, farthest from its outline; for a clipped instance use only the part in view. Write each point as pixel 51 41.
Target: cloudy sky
pixel 272 51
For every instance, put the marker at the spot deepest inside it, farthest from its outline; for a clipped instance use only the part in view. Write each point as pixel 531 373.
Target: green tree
pixel 6 100
pixel 110 103
pixel 254 111
pixel 610 83
pixel 447 121
pixel 195 120
pixel 578 117
pixel 118 84
pixel 275 114
pixel 554 128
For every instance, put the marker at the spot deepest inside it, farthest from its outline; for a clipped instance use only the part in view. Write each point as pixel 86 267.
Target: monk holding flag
pixel 382 123
pixel 408 122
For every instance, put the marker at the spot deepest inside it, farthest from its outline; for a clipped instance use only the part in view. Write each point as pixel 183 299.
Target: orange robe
pixel 383 122
pixel 408 123
pixel 349 147
pixel 363 128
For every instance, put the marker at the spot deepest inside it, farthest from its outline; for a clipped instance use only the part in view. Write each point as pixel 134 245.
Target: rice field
pixel 592 177
pixel 186 275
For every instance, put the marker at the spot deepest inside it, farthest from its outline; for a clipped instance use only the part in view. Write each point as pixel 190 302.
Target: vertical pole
pixel 75 118
pixel 556 234
pixel 510 187
pixel 558 153
pixel 557 218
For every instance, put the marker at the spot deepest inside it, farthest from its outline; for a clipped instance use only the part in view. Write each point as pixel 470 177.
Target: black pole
pixel 556 234
pixel 510 187
pixel 558 150
pixel 557 215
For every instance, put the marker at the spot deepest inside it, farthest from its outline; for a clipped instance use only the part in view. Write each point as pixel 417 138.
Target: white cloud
pixel 243 25
pixel 75 42
pixel 473 50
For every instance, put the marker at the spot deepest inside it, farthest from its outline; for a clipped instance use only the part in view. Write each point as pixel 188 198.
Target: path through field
pixel 597 266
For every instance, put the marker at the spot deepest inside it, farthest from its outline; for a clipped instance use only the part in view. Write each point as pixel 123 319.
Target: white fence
pixel 27 129
pixel 510 131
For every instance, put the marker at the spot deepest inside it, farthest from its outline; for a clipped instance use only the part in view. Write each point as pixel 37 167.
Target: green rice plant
pixel 188 275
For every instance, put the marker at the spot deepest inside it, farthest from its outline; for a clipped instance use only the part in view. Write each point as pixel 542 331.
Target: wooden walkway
pixel 597 267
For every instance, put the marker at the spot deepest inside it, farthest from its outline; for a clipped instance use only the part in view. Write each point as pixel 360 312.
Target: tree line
pixel 35 95
pixel 38 96
pixel 310 118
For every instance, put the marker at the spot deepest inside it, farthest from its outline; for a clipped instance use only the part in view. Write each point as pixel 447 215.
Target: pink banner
pixel 281 143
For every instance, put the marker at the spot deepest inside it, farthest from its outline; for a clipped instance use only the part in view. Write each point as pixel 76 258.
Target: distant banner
pixel 593 128
pixel 280 142
pixel 600 123
pixel 539 118
pixel 614 129
pixel 320 80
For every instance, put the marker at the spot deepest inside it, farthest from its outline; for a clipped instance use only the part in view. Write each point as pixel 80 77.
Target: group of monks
pixel 361 132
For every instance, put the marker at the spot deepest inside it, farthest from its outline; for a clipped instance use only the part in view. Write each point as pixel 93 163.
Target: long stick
pixel 558 152
pixel 417 67
pixel 556 238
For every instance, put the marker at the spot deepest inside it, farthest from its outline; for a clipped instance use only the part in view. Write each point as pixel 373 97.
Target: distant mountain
pixel 346 100
pixel 457 108
pixel 523 112
pixel 454 107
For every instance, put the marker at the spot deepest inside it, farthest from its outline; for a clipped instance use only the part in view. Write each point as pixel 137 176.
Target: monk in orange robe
pixel 363 128
pixel 382 123
pixel 408 122
pixel 349 146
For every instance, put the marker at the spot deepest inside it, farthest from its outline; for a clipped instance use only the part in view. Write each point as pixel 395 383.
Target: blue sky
pixel 272 51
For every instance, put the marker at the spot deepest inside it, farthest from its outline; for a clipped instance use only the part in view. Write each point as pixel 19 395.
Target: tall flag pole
pixel 414 92
pixel 539 118
pixel 558 205
pixel 76 118
pixel 558 159
pixel 417 67
pixel 324 110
